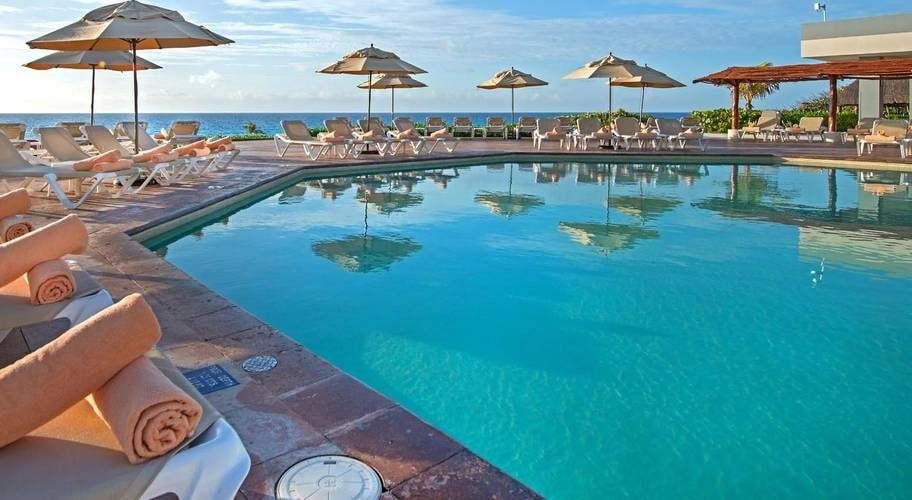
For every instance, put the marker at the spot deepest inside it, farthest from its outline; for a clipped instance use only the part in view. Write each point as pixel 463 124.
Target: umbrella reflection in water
pixel 508 204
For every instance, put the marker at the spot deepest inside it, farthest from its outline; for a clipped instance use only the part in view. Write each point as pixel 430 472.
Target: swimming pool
pixel 598 331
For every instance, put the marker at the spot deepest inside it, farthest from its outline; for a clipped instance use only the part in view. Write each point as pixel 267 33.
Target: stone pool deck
pixel 305 406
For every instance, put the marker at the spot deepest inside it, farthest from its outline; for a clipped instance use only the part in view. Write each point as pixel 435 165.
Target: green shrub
pixel 603 115
pixel 719 120
pixel 251 128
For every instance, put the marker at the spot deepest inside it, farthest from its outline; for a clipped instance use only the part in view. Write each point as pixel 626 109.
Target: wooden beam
pixel 736 98
pixel 833 105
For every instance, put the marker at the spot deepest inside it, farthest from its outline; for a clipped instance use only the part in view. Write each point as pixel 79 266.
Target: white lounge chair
pixel 16 171
pixel 862 129
pixel 544 132
pixel 64 152
pixel 75 130
pixel 808 126
pixel 380 134
pixel 15 132
pixel 566 123
pixel 671 132
pixel 164 173
pixel 526 125
pixel 691 123
pixel 429 144
pixel 297 133
pixel 495 125
pixel 627 129
pixel 433 124
pixel 463 125
pixel 767 125
pixel 886 133
pixel 198 165
pixel 589 130
pixel 120 129
pixel 182 132
pixel 342 128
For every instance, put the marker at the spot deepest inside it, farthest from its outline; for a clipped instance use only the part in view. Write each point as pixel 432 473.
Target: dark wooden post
pixel 832 113
pixel 736 98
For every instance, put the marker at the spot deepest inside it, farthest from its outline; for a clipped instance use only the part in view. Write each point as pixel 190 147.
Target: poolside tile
pixel 297 368
pixel 260 482
pixel 270 429
pixel 463 476
pixel 336 401
pixel 223 322
pixel 199 354
pixel 252 341
pixel 397 444
pixel 188 299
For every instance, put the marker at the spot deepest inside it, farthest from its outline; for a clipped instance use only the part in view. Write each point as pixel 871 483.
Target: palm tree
pixel 757 90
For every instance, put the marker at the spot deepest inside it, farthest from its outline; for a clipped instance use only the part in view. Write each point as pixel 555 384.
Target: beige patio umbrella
pixel 511 79
pixel 114 60
pixel 129 26
pixel 609 67
pixel 392 82
pixel 646 77
pixel 368 61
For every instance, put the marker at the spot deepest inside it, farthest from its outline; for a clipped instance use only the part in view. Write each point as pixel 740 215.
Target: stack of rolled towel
pixel 219 145
pixel 12 206
pixel 109 161
pixel 103 361
pixel 31 265
pixel 438 134
pixel 205 147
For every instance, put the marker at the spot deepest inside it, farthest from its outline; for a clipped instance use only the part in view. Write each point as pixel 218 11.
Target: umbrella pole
pixel 135 100
pixel 642 98
pixel 370 88
pixel 609 99
pixel 393 105
pixel 512 105
pixel 92 104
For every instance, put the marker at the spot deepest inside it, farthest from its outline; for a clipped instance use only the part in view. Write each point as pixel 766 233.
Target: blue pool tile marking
pixel 210 379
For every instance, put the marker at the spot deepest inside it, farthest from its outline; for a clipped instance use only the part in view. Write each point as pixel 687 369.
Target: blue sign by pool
pixel 210 379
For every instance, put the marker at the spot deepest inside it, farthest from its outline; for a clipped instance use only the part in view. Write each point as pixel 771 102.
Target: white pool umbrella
pixel 392 82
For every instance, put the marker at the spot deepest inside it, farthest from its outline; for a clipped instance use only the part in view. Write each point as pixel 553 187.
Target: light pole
pixel 821 7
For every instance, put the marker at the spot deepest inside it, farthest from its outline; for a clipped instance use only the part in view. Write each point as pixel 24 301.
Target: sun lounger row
pixel 85 394
pixel 625 132
pixel 340 140
pixel 106 162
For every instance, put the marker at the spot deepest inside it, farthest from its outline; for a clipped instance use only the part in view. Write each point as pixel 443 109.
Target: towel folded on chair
pixel 215 143
pixel 437 134
pixel 370 134
pixel 14 203
pixel 146 412
pixel 203 151
pixel 554 133
pixel 224 147
pixel 186 150
pixel 46 382
pixel 12 227
pixel 163 157
pixel 333 136
pixel 87 164
pixel 407 134
pixel 146 156
pixel 50 281
pixel 67 235
pixel 112 166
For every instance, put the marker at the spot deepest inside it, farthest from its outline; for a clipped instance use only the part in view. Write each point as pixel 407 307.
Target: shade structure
pixel 646 77
pixel 508 203
pixel 644 208
pixel 389 202
pixel 365 253
pixel 511 79
pixel 609 67
pixel 368 61
pixel 129 26
pixel 392 82
pixel 112 60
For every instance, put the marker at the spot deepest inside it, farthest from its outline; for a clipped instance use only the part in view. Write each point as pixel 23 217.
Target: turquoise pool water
pixel 605 331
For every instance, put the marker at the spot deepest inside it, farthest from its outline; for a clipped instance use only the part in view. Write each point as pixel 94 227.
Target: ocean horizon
pixel 233 123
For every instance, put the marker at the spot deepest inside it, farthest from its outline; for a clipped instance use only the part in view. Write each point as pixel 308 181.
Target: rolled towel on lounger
pixel 146 156
pixel 14 203
pixel 46 382
pixel 12 227
pixel 148 414
pixel 437 134
pixel 407 134
pixel 112 166
pixel 186 150
pixel 88 163
pixel 334 136
pixel 225 147
pixel 215 143
pixel 163 157
pixel 204 151
pixel 17 257
pixel 50 281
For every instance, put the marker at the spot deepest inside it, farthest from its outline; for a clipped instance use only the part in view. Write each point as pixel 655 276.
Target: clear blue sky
pixel 280 44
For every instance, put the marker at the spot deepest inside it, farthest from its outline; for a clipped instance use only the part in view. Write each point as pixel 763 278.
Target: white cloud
pixel 6 9
pixel 209 78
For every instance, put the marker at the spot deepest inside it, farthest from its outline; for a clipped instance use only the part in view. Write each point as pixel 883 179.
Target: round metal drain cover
pixel 259 364
pixel 330 477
